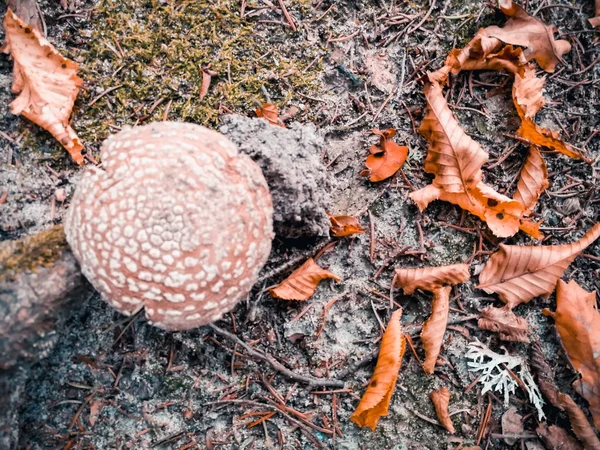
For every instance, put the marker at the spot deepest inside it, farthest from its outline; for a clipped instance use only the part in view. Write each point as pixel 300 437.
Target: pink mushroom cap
pixel 176 221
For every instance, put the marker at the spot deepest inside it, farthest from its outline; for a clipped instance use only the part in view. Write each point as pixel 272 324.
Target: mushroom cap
pixel 176 221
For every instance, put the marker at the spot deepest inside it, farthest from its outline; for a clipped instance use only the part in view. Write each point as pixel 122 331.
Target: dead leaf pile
pixel 439 281
pixel 456 160
pixel 47 82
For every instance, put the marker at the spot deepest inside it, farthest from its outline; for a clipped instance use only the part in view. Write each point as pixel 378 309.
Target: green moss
pixel 156 50
pixel 39 250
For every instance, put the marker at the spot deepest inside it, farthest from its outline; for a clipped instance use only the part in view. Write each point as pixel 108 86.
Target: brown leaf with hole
pixel 302 282
pixel 345 226
pixel 578 324
pixel 556 438
pixel 519 273
pixel 504 322
pixel 47 83
pixel 543 137
pixel 527 92
pixel 532 181
pixel 440 400
pixel 376 399
pixel 526 31
pixel 386 159
pixel 436 280
pixel 270 113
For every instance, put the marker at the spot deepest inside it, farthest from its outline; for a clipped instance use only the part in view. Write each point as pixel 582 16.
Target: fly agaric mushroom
pixel 177 222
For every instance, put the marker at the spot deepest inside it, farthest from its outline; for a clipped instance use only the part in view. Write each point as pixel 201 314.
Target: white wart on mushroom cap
pixel 176 221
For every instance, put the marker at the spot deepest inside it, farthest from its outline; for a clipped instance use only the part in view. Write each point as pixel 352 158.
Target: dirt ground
pixel 117 383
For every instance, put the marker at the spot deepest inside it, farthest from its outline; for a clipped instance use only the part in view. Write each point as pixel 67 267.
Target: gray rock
pixel 290 160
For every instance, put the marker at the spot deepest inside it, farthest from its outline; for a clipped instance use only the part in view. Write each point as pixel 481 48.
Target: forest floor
pixel 113 382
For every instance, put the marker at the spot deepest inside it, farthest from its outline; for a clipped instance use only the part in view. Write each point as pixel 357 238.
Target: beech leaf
pixel 386 159
pixel 376 399
pixel 345 226
pixel 440 400
pixel 47 82
pixel 543 137
pixel 302 282
pixel 525 31
pixel 519 273
pixel 527 92
pixel 503 321
pixel 270 113
pixel 578 324
pixel 533 180
pixel 436 280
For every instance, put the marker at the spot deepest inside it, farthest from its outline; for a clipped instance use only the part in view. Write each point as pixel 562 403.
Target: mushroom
pixel 176 221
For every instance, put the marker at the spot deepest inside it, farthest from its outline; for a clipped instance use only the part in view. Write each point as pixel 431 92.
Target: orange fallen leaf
pixel 527 92
pixel 578 324
pixel 376 399
pixel 269 112
pixel 440 400
pixel 345 226
pixel 543 137
pixel 507 58
pixel 533 180
pixel 436 280
pixel 302 282
pixel 503 321
pixel 206 79
pixel 519 273
pixel 47 83
pixel 386 159
pixel 95 410
pixel 526 31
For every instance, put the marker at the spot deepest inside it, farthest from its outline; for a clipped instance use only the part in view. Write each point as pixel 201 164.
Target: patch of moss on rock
pixel 154 53
pixel 28 254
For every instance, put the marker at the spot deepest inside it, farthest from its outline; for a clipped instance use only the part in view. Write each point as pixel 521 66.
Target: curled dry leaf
pixel 518 274
pixel 47 83
pixel 376 399
pixel 532 181
pixel 525 31
pixel 527 92
pixel 504 322
pixel 578 324
pixel 556 438
pixel 543 137
pixel 345 226
pixel 437 281
pixel 441 399
pixel 270 113
pixel 302 282
pixel 386 159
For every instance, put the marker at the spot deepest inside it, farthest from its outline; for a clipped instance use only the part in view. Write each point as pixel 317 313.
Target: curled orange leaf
pixel 302 282
pixel 47 82
pixel 270 113
pixel 519 273
pixel 503 321
pixel 440 400
pixel 376 399
pixel 386 159
pixel 533 180
pixel 578 323
pixel 436 280
pixel 345 226
pixel 543 137
pixel 526 31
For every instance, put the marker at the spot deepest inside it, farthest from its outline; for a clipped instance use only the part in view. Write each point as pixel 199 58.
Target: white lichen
pixel 493 369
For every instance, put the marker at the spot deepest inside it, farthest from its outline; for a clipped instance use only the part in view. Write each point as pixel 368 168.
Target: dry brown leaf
pixel 578 324
pixel 386 159
pixel 441 399
pixel 525 31
pixel 376 399
pixel 380 70
pixel 556 438
pixel 437 281
pixel 533 180
pixel 527 92
pixel 512 423
pixel 302 282
pixel 543 137
pixel 504 322
pixel 206 78
pixel 270 113
pixel 518 274
pixel 95 409
pixel 47 83
pixel 507 58
pixel 595 21
pixel 345 226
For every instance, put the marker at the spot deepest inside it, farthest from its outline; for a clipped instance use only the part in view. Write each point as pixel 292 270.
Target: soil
pixel 116 382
